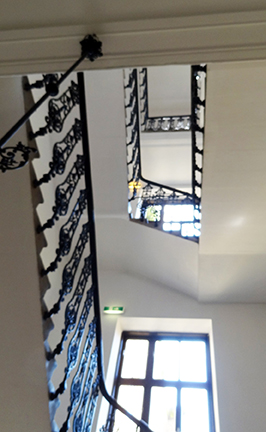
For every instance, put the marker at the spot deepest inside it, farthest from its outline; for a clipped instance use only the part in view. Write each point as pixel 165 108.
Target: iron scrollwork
pixel 71 267
pixel 49 81
pixel 70 270
pixel 92 405
pixel 85 400
pixel 73 351
pixel 166 124
pixel 61 153
pixel 198 74
pixel 74 345
pixel 132 128
pixel 67 232
pixel 58 110
pixel 77 383
pixel 12 158
pixel 145 194
pixel 72 307
pixel 64 192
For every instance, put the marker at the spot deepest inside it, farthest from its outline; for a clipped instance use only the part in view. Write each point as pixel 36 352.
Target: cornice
pixel 208 38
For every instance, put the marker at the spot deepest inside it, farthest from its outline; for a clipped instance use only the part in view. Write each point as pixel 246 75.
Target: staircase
pixel 73 341
pixel 146 261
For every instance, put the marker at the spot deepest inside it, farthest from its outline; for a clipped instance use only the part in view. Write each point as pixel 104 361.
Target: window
pixel 182 218
pixel 165 379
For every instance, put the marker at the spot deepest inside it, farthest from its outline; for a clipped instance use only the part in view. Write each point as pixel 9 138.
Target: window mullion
pixel 178 411
pixel 147 390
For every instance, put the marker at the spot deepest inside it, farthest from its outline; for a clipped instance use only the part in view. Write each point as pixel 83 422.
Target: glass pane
pixel 190 229
pixel 174 226
pixel 162 416
pixel 135 359
pixel 193 361
pixel 194 410
pixel 166 360
pixel 130 398
pixel 178 213
pixel 153 213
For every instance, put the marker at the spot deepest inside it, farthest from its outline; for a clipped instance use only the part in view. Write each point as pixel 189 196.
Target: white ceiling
pixel 229 263
pixel 32 14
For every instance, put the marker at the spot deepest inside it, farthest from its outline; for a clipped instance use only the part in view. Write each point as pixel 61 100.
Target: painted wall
pixel 239 330
pixel 23 395
pixel 166 158
pixel 239 335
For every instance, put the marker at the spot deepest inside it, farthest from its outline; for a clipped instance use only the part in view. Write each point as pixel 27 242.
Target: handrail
pixel 136 105
pixel 148 195
pixel 138 145
pixel 97 309
pixel 91 49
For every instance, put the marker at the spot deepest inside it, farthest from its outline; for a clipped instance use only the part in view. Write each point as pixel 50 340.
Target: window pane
pixel 187 229
pixel 162 416
pixel 166 360
pixel 178 213
pixel 130 398
pixel 194 410
pixel 135 359
pixel 193 361
pixel 153 213
pixel 171 226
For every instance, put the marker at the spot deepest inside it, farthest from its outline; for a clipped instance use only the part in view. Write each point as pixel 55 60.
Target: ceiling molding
pixel 209 38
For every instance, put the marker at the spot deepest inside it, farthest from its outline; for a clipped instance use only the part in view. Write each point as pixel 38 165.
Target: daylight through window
pixel 165 379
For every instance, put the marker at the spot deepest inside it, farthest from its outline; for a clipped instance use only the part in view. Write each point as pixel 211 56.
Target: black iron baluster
pixel 74 345
pixel 48 81
pixel 61 153
pixel 14 157
pixel 97 310
pixel 92 405
pixel 67 232
pixel 147 192
pixel 64 192
pixel 195 103
pixel 70 270
pixel 78 379
pixel 58 110
pixel 72 308
pixel 80 414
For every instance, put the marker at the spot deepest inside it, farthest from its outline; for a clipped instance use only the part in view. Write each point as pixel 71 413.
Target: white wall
pixel 166 157
pixel 23 393
pixel 239 342
pixel 169 90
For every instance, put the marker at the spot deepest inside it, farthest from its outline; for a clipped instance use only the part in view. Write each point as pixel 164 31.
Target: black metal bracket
pixel 91 48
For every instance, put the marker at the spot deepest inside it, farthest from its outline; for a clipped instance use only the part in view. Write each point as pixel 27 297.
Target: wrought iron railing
pixel 147 199
pixel 198 92
pixel 71 305
pixel 176 123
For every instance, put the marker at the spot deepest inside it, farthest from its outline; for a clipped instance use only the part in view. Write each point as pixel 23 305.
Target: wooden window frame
pixel 148 382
